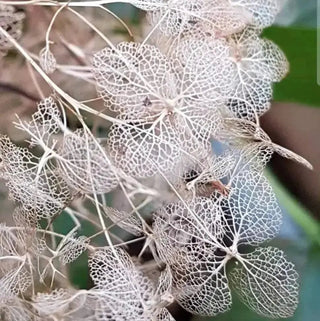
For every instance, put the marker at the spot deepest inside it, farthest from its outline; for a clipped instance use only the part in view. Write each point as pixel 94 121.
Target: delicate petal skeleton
pixel 137 172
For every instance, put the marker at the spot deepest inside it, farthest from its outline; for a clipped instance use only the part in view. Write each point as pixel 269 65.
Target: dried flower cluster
pixel 203 74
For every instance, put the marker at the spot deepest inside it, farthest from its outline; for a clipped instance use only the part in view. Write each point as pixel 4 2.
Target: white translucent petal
pixel 207 295
pixel 47 60
pixel 252 210
pixel 123 292
pixel 44 123
pixel 85 164
pixel 267 283
pixel 187 237
pixel 37 188
pixel 126 221
pixel 257 64
pixel 263 11
pixel 67 303
pixel 73 248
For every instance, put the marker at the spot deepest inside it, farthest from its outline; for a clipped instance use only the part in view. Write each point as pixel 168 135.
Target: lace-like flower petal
pixel 178 16
pixel 262 11
pixel 73 248
pixel 126 221
pixel 85 165
pixel 47 60
pixel 37 188
pixel 66 303
pixel 143 151
pixel 163 108
pixel 187 237
pixel 12 309
pixel 44 123
pixel 254 140
pixel 123 292
pixel 207 295
pixel 135 79
pixel 252 211
pixel 257 63
pixel 267 283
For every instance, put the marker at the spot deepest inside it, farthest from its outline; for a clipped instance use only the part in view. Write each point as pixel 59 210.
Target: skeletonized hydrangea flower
pixel 248 66
pixel 174 17
pixel 198 238
pixel 185 235
pixel 71 248
pixel 12 308
pixel 212 79
pixel 85 164
pixel 257 63
pixel 205 177
pixel 48 61
pixel 44 123
pixel 15 266
pixel 167 111
pixel 140 82
pixel 66 304
pixel 215 174
pixel 11 21
pixel 123 293
pixel 127 221
pixel 35 185
pixel 239 132
pixel 82 161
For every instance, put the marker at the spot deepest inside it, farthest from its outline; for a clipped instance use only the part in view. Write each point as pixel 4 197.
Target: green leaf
pixel 300 47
